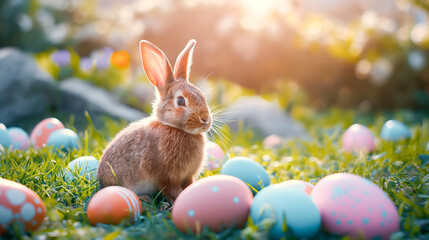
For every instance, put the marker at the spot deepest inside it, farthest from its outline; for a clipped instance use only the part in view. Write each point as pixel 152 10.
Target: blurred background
pixel 357 54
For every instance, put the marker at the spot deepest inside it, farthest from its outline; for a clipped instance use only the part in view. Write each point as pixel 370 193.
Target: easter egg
pixel 394 130
pixel 40 134
pixel 5 139
pixel 215 155
pixel 85 166
pixel 358 138
pixel 298 185
pixel 63 139
pixel 248 171
pixel 112 205
pixel 272 141
pixel 19 204
pixel 20 139
pixel 216 202
pixel 352 205
pixel 281 203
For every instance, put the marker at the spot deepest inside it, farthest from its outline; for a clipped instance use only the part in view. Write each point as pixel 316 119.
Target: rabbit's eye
pixel 181 101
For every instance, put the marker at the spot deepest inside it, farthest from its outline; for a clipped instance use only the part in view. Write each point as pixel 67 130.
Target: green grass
pixel 398 171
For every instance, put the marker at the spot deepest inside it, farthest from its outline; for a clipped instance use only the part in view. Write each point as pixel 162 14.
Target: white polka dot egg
pixel 19 204
pixel 217 202
pixel 352 205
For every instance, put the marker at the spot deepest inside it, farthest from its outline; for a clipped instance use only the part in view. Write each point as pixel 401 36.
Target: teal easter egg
pixel 63 139
pixel 85 166
pixel 280 204
pixel 248 170
pixel 5 140
pixel 20 138
pixel 394 130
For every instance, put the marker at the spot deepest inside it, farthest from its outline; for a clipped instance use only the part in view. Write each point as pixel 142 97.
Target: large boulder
pixel 78 96
pixel 266 118
pixel 26 92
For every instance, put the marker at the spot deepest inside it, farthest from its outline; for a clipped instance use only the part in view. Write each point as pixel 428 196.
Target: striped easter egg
pixel 113 205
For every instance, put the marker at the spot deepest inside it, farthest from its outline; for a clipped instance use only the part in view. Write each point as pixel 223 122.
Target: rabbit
pixel 163 152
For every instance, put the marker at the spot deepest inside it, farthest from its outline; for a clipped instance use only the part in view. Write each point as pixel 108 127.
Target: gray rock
pixel 79 96
pixel 264 117
pixel 26 91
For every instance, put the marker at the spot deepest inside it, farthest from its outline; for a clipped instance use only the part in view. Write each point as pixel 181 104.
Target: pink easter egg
pixel 20 139
pixel 358 138
pixel 215 155
pixel 216 201
pixel 272 141
pixel 352 205
pixel 40 134
pixel 298 185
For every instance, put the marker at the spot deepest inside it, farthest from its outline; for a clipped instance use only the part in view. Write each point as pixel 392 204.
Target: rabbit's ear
pixel 184 61
pixel 155 65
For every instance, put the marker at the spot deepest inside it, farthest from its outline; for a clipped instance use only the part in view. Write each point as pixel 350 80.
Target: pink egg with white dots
pixel 20 138
pixel 298 185
pixel 352 205
pixel 215 155
pixel 358 138
pixel 218 202
pixel 40 134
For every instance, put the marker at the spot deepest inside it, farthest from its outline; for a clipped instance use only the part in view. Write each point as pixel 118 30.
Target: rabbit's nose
pixel 205 119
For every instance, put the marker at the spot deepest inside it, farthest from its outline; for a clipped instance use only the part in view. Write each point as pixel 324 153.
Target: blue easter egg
pixel 85 166
pixel 394 130
pixel 248 171
pixel 281 203
pixel 5 139
pixel 19 137
pixel 63 139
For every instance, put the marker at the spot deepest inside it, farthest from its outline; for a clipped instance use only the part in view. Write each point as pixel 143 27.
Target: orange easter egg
pixel 112 205
pixel 120 59
pixel 40 134
pixel 19 204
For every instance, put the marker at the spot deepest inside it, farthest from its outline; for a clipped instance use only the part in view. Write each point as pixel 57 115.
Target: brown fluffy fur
pixel 165 151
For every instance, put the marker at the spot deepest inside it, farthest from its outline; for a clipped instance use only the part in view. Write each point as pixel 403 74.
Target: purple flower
pixel 107 50
pixel 102 60
pixel 86 64
pixel 61 57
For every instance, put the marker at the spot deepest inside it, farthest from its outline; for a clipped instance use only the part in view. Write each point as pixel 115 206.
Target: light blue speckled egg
pixel 282 203
pixel 248 171
pixel 19 137
pixel 394 130
pixel 63 139
pixel 5 140
pixel 85 166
